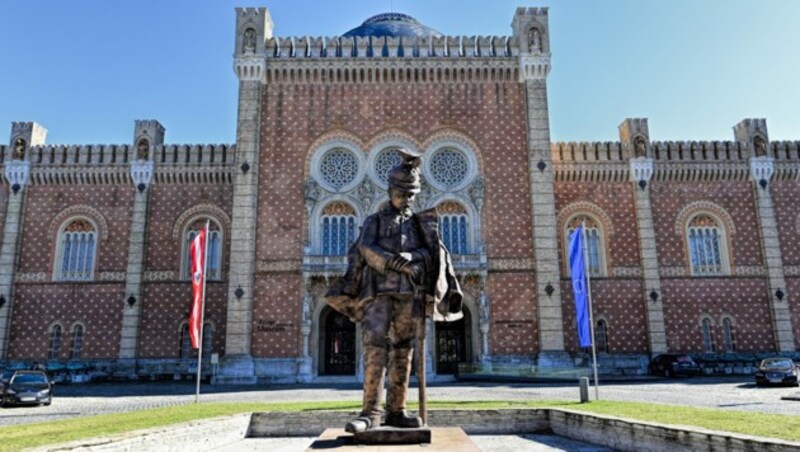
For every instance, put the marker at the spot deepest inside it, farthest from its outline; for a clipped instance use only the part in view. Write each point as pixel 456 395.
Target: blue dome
pixel 392 25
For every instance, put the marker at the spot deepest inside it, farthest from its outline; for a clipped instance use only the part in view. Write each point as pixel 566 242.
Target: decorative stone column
pixel 17 173
pixel 147 134
pixel 753 132
pixel 635 138
pixel 304 362
pixel 531 33
pixel 253 28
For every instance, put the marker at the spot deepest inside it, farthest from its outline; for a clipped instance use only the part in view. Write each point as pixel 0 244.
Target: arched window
pixel 601 336
pixel 77 342
pixel 595 249
pixel 453 227
pixel 707 250
pixel 214 260
pixel 708 336
pixel 55 342
pixel 77 246
pixel 338 223
pixel 727 334
pixel 185 344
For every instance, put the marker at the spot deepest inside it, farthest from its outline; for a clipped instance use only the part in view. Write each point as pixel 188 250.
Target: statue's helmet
pixel 405 176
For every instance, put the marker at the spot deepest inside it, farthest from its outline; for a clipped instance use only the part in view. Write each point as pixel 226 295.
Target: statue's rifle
pixel 419 298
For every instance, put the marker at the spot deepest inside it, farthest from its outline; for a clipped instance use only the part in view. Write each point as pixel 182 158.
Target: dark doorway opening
pixel 453 343
pixel 338 347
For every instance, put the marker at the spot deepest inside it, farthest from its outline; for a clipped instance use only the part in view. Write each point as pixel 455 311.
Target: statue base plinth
pixel 393 435
pixel 439 439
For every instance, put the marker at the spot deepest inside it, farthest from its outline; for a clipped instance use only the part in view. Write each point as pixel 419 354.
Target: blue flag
pixel 578 270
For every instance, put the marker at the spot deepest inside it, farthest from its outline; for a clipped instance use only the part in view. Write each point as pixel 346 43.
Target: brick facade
pixel 485 98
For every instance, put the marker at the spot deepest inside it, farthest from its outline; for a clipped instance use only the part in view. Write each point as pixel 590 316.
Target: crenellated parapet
pixel 672 160
pixel 110 163
pixel 387 47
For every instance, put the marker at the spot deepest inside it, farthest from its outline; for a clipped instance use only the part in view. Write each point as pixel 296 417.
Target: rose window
pixel 338 168
pixel 386 160
pixel 449 168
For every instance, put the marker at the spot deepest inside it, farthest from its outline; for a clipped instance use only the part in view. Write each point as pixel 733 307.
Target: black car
pixel 27 387
pixel 673 364
pixel 781 371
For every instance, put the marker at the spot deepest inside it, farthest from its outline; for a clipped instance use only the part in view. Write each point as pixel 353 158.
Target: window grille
pixel 705 246
pixel 78 243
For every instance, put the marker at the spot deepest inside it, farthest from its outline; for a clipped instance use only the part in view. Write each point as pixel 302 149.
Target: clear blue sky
pixel 85 69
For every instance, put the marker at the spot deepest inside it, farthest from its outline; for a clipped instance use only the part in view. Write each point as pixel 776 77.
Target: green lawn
pixel 18 437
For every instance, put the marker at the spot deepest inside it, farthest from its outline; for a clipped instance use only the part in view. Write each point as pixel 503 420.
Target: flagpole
pixel 202 311
pixel 589 298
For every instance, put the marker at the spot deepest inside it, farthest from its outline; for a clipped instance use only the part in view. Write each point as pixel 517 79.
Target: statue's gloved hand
pixel 399 263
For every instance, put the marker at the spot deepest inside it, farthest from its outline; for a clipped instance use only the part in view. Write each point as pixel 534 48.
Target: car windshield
pixel 778 363
pixel 684 359
pixel 27 379
pixel 7 374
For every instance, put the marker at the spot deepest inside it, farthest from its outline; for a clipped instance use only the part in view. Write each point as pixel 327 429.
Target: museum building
pixel 693 246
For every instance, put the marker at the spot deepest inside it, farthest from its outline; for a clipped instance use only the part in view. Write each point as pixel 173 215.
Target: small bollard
pixel 584 385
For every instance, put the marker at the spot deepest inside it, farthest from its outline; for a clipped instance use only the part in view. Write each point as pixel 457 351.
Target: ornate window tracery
pixel 384 162
pixel 338 228
pixel 454 227
pixel 595 249
pixel 707 246
pixel 77 246
pixel 214 256
pixel 449 168
pixel 338 168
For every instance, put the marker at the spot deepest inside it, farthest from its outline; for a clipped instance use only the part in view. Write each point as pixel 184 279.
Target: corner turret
pixel 532 36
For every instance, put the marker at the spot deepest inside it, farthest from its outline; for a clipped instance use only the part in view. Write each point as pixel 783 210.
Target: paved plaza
pixel 730 393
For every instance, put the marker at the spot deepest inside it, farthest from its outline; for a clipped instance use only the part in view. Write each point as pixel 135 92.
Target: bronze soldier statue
pixel 398 272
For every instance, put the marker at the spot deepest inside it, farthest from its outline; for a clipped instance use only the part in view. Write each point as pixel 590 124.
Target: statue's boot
pixel 399 373
pixel 374 369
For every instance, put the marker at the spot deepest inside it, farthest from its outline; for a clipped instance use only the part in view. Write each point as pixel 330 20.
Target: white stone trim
pixel 17 172
pixel 438 145
pixel 534 67
pixel 323 149
pixel 762 168
pixel 250 68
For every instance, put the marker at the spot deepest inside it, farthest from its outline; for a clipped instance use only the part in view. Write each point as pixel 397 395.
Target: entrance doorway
pixel 453 343
pixel 338 348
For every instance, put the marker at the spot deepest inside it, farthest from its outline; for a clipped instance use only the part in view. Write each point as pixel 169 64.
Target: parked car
pixel 777 371
pixel 27 387
pixel 673 364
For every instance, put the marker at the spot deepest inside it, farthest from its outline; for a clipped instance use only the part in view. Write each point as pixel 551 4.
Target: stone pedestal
pixel 304 374
pixel 441 439
pixel 554 359
pixel 393 435
pixel 236 369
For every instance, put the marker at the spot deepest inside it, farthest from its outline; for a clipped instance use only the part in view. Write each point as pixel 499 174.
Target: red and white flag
pixel 197 253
